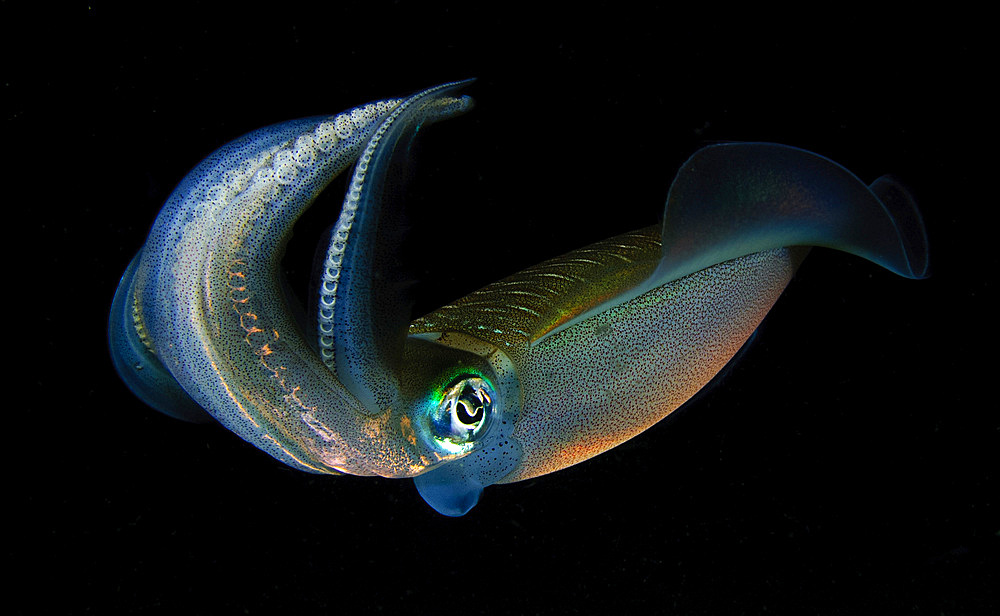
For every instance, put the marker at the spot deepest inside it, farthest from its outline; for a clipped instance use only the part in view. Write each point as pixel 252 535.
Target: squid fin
pixel 730 200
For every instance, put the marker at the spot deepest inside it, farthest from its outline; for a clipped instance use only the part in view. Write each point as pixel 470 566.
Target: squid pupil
pixel 462 409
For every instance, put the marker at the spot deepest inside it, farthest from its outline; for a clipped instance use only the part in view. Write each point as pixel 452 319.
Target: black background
pixel 846 465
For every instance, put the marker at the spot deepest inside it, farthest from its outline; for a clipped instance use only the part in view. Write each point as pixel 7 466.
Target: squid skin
pixel 531 374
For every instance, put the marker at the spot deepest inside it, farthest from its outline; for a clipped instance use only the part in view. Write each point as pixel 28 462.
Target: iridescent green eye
pixel 464 413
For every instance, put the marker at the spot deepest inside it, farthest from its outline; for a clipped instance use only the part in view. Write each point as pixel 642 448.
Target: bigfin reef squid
pixel 528 375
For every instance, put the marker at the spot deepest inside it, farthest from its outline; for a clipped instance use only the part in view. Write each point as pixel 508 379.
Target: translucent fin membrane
pixel 731 200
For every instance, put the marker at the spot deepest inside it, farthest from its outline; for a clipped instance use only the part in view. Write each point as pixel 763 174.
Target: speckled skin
pixel 578 354
pixel 599 382
pixel 603 381
pixel 208 299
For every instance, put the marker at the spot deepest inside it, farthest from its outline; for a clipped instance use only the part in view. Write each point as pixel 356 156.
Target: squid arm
pixel 531 374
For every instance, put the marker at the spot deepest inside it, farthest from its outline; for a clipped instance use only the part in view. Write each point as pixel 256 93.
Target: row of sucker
pixel 437 109
pixel 266 177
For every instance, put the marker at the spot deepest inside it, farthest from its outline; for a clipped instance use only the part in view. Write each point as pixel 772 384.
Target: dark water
pixel 845 466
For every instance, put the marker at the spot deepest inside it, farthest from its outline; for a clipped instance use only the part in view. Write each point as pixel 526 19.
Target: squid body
pixel 526 376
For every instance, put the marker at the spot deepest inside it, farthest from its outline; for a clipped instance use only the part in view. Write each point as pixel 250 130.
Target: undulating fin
pixel 734 199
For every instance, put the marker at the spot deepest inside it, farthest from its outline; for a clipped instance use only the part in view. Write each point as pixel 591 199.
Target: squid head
pixel 526 376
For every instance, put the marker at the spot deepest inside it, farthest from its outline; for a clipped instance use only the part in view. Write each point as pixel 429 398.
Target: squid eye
pixel 464 413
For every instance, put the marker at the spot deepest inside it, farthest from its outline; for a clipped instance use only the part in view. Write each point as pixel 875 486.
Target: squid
pixel 528 375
